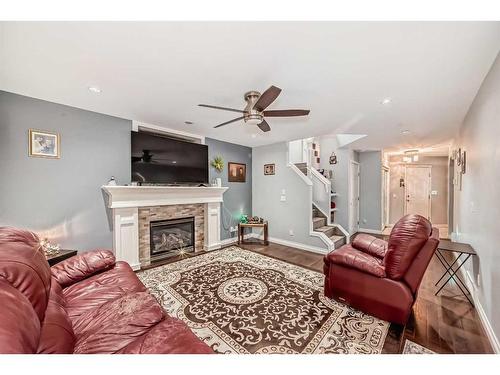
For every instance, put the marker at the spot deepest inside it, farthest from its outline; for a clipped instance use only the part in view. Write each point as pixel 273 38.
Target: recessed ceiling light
pixel 188 122
pixel 174 161
pixel 406 131
pixel 254 135
pixel 94 89
pixel 386 101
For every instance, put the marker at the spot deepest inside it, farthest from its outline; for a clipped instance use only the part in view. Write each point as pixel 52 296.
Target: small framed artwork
pixel 44 144
pixel 269 169
pixel 237 172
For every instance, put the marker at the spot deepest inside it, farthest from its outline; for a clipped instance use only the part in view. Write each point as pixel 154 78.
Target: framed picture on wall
pixel 44 144
pixel 237 172
pixel 269 169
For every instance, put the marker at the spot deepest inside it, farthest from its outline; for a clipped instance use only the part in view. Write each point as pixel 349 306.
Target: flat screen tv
pixel 167 161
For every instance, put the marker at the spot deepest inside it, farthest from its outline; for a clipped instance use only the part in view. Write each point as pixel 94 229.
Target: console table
pixel 241 231
pixel 459 249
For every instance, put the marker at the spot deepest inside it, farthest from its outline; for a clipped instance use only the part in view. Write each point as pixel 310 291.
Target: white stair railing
pixel 322 188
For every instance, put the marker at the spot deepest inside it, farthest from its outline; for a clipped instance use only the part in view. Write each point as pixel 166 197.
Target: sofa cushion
pixel 348 256
pixel 56 336
pixel 24 266
pixel 407 238
pixel 117 323
pixel 370 245
pixel 96 290
pixel 171 336
pixel 82 266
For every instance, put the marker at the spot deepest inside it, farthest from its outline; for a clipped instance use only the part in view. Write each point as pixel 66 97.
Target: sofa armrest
pixel 81 266
pixel 370 245
pixel 348 256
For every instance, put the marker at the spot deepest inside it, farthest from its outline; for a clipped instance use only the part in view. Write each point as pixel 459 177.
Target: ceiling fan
pixel 255 110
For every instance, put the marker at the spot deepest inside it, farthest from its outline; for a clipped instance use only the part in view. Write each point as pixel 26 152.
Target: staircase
pixel 302 167
pixel 332 232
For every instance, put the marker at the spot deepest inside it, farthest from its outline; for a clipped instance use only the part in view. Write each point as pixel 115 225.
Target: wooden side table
pixel 62 255
pixel 241 231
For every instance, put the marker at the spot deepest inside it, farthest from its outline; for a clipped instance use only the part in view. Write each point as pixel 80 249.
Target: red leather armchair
pixel 382 278
pixel 86 304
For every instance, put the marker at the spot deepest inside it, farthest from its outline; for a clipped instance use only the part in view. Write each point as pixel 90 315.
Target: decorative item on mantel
pixel 218 164
pixel 49 249
pixel 112 181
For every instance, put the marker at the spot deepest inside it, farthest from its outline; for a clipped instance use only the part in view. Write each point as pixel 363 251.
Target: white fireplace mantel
pixel 124 201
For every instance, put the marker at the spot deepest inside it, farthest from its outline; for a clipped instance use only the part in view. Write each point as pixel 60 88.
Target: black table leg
pixel 453 275
pixel 449 267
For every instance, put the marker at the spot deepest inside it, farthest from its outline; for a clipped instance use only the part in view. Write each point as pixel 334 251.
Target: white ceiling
pixel 158 72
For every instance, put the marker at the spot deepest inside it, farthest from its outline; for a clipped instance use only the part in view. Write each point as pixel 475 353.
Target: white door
pixel 418 190
pixel 353 197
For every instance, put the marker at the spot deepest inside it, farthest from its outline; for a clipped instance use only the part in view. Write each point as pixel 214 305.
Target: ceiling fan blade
pixel 286 112
pixel 267 98
pixel 223 108
pixel 230 121
pixel 264 126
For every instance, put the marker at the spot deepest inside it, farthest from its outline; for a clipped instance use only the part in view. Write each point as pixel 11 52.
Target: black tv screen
pixel 161 160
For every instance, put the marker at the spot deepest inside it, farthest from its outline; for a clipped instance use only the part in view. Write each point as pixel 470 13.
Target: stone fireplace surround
pixel 148 214
pixel 133 207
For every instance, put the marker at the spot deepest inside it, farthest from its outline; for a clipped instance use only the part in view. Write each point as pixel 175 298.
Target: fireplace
pixel 171 237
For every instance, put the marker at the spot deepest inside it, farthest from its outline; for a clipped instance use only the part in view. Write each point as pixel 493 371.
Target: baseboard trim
pixel 372 231
pixel 297 245
pixel 233 240
pixel 495 343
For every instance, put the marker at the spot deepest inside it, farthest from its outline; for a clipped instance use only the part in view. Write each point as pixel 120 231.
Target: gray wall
pixel 439 182
pixel 238 198
pixel 293 214
pixel 477 205
pixel 370 190
pixel 60 198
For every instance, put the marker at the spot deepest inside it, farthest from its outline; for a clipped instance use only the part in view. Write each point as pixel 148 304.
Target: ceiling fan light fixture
pixel 253 119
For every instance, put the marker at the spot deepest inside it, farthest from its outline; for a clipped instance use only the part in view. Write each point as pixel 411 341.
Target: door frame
pixel 350 207
pixel 387 195
pixel 429 200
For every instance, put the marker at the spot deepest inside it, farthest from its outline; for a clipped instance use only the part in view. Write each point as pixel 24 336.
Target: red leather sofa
pixel 86 304
pixel 382 278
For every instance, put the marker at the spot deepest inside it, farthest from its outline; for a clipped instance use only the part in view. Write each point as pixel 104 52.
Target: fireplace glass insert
pixel 171 237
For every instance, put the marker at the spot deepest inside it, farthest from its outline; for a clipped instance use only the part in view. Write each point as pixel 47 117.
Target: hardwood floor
pixel 444 324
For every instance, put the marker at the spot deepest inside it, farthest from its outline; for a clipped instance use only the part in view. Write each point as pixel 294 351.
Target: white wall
pixel 477 205
pixel 370 190
pixel 295 150
pixel 296 212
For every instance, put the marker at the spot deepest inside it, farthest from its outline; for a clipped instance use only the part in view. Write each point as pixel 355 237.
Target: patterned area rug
pixel 238 301
pixel 414 348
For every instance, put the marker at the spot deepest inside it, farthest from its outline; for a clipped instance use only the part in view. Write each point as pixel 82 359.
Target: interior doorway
pixel 353 197
pixel 418 190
